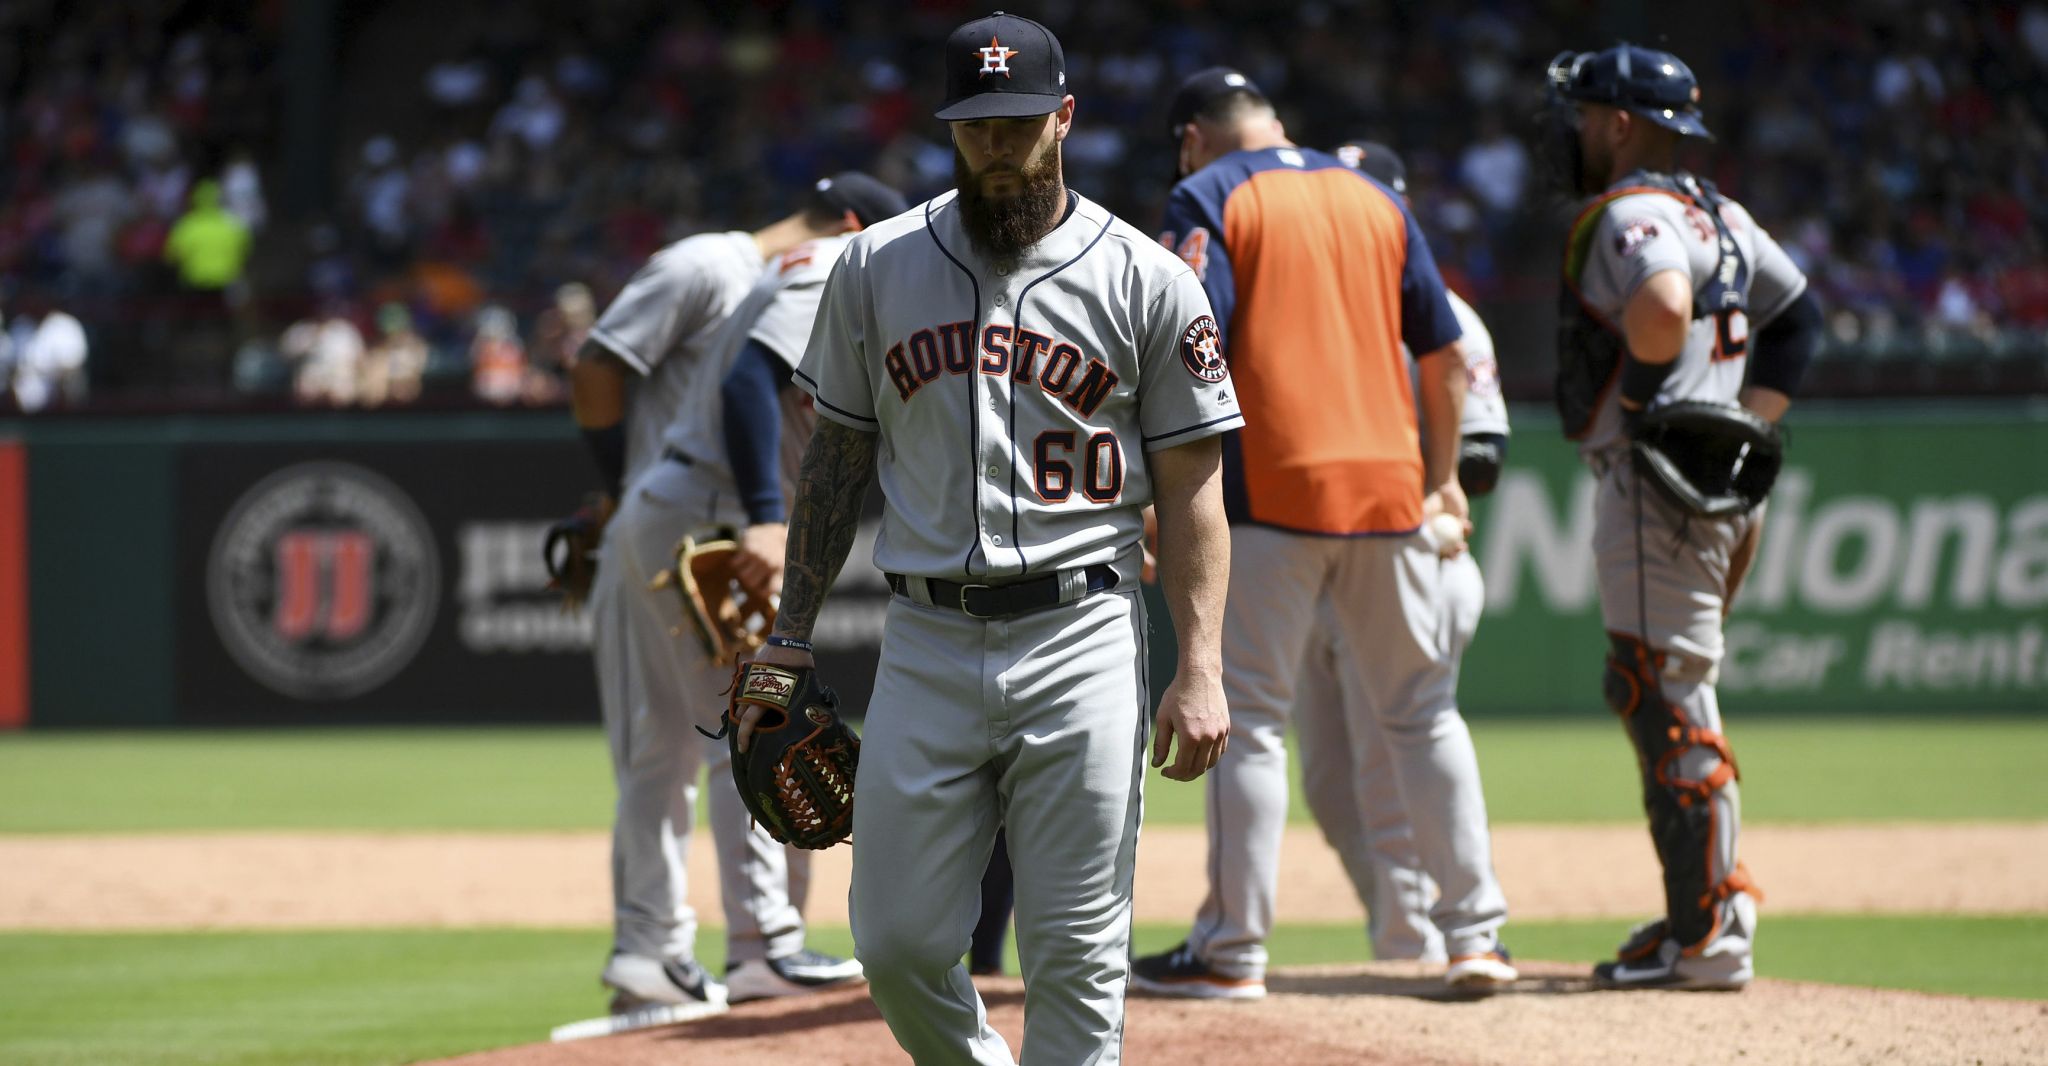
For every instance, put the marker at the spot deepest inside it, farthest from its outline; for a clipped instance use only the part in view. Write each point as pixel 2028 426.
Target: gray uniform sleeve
pixel 671 298
pixel 835 368
pixel 1184 390
pixel 1638 238
pixel 1485 411
pixel 785 324
pixel 1774 281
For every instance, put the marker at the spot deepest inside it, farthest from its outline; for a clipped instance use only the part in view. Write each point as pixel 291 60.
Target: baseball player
pixel 1672 293
pixel 1024 373
pixel 1318 276
pixel 1353 796
pixel 666 327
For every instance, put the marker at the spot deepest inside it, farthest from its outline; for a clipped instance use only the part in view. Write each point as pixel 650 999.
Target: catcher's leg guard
pixel 1689 774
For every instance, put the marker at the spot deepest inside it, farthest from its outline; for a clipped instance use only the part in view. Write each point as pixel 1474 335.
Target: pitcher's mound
pixel 1389 1013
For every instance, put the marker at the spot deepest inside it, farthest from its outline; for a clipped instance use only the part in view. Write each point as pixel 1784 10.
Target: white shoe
pixel 1651 959
pixel 1481 972
pixel 643 981
pixel 792 975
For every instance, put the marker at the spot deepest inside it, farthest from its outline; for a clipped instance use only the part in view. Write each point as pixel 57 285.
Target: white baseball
pixel 1450 533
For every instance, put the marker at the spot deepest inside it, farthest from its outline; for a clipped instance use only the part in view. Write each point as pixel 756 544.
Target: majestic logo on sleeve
pixel 323 581
pixel 995 59
pixel 1201 350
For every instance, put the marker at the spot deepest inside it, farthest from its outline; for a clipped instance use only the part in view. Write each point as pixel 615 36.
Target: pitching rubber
pixel 638 1018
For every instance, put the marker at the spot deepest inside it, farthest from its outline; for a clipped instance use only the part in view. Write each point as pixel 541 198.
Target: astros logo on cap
pixel 995 59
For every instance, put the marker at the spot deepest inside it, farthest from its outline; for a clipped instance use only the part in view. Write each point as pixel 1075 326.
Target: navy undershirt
pixel 753 429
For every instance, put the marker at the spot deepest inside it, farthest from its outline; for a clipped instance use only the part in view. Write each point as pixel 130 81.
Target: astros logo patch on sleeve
pixel 1201 350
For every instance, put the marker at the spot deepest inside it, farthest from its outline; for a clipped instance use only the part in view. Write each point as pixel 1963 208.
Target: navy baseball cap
pixel 1202 88
pixel 1656 85
pixel 1003 66
pixel 1377 161
pixel 868 199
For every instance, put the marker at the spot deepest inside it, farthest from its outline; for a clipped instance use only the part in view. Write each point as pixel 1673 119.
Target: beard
pixel 1003 227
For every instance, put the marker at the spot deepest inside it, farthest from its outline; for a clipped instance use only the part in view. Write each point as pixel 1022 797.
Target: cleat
pixel 792 975
pixel 1180 972
pixel 1481 972
pixel 639 981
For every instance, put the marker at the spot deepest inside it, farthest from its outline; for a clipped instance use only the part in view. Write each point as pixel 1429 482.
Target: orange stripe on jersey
pixel 1329 443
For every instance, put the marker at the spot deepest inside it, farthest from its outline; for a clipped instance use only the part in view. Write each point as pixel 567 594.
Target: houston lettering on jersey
pixel 1061 369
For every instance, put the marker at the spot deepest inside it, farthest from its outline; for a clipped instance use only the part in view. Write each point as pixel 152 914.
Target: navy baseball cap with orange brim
pixel 1003 66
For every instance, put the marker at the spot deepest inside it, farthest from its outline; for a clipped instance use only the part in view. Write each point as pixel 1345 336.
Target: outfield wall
pixel 384 567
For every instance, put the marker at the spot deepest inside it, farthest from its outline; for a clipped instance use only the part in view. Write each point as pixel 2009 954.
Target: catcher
pixel 696 310
pixel 1675 304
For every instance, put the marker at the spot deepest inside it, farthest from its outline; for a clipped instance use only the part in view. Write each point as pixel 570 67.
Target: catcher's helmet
pixel 1656 85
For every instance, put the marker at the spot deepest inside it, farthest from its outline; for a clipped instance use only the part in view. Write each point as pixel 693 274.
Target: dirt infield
pixel 553 880
pixel 1387 1013
pixel 1378 1013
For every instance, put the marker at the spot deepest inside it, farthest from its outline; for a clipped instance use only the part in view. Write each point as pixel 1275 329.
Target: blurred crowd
pixel 493 190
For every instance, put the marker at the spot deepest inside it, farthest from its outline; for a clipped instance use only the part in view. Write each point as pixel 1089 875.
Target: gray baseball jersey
pixel 778 313
pixel 1741 281
pixel 1014 402
pixel 663 323
pixel 1485 410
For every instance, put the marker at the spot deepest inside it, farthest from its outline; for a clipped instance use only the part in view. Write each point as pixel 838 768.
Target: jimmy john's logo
pixel 323 581
pixel 769 685
pixel 1201 350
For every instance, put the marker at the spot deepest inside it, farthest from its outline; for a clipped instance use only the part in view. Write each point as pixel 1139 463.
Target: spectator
pixel 497 360
pixel 209 246
pixel 392 369
pixel 328 351
pixel 52 364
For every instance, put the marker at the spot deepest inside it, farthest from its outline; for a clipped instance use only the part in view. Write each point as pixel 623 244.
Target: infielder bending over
pixel 1319 276
pixel 655 688
pixel 1024 373
pixel 1347 773
pixel 1669 289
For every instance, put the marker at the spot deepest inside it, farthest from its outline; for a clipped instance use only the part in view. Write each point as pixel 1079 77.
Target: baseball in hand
pixel 1449 530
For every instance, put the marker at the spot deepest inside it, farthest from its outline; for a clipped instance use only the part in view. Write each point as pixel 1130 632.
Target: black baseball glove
pixel 1710 459
pixel 569 550
pixel 796 775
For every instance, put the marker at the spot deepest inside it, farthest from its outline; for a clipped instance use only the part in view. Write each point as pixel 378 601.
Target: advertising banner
pixel 1904 566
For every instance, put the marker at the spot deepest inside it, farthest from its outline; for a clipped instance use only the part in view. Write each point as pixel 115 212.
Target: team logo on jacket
pixel 323 581
pixel 995 59
pixel 1201 350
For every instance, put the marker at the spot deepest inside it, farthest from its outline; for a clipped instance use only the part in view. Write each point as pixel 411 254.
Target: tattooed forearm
pixel 838 466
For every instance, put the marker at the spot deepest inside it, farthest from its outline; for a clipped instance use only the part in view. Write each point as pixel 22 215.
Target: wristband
pixel 780 641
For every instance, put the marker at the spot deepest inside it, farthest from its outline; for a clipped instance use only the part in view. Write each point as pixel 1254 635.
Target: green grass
pixel 1817 769
pixel 348 998
pixel 511 779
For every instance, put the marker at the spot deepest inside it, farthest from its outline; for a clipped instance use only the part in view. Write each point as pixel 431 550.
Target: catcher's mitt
pixel 569 550
pixel 1709 459
pixel 727 617
pixel 797 773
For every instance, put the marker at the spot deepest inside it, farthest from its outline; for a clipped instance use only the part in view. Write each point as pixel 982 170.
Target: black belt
pixel 1002 601
pixel 675 455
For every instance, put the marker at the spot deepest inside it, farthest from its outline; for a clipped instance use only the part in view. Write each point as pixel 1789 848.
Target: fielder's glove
pixel 1710 459
pixel 569 550
pixel 727 617
pixel 797 773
